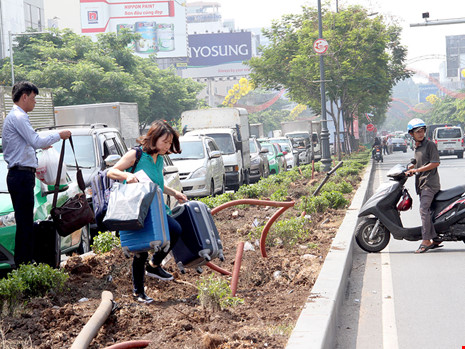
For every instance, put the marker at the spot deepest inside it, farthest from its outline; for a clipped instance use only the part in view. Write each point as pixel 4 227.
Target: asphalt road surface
pixel 398 299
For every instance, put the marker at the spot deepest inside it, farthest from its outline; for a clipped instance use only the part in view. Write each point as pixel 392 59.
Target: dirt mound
pixel 274 289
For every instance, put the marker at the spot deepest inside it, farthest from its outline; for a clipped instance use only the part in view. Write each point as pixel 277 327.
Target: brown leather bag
pixel 75 213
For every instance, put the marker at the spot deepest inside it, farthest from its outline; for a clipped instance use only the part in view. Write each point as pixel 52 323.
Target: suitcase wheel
pixel 221 257
pixel 199 270
pixel 205 255
pixel 126 252
pixel 181 268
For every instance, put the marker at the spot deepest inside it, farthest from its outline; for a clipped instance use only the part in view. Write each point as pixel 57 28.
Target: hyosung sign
pixel 219 48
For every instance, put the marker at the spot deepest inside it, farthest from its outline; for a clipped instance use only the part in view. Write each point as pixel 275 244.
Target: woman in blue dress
pixel 161 139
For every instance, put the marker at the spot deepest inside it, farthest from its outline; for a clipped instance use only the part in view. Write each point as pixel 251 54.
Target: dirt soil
pixel 274 290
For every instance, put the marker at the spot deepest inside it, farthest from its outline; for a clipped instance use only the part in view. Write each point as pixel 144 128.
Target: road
pixel 398 299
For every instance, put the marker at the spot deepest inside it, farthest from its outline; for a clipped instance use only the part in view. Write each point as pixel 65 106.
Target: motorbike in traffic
pixel 380 215
pixel 377 154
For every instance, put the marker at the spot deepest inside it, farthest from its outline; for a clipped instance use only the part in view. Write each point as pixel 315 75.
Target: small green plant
pixel 105 241
pixel 314 204
pixel 335 199
pixel 250 191
pixel 28 281
pixel 279 195
pixel 214 201
pixel 215 294
pixel 285 232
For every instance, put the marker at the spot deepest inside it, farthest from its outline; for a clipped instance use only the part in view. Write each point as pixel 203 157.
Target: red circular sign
pixel 320 46
pixel 370 127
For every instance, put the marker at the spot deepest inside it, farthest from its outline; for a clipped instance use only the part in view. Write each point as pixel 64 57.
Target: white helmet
pixel 415 123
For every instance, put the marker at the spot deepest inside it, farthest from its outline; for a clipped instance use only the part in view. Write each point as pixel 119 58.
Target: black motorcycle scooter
pixel 380 215
pixel 377 154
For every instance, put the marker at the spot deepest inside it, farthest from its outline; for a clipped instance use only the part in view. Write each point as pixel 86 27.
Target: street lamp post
pixel 325 156
pixel 10 38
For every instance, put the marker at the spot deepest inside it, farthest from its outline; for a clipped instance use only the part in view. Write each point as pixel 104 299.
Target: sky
pixel 421 41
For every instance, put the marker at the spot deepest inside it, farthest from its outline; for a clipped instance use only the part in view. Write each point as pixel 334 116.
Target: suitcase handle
pixel 177 211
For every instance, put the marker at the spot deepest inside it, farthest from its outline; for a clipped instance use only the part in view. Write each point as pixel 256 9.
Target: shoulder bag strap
pixel 79 177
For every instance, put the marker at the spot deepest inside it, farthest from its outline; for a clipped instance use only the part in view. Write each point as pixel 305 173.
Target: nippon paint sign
pixel 219 48
pixel 161 24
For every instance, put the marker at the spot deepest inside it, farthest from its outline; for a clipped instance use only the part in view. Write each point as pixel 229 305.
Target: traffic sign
pixel 370 127
pixel 320 46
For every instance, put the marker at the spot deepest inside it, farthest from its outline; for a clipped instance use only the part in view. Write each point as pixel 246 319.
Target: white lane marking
pixel 390 340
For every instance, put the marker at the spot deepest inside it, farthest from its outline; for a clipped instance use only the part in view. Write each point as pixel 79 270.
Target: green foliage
pixel 214 293
pixel 250 191
pixel 214 201
pixel 81 71
pixel 364 61
pixel 341 186
pixel 335 199
pixel 279 194
pixel 314 204
pixel 105 241
pixel 28 281
pixel 284 232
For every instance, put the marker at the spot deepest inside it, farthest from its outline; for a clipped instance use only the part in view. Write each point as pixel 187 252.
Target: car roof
pixel 78 130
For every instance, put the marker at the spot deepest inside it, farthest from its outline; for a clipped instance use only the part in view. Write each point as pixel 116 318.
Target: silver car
pixel 289 153
pixel 200 165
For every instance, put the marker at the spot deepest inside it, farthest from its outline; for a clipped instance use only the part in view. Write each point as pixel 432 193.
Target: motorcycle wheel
pixel 362 236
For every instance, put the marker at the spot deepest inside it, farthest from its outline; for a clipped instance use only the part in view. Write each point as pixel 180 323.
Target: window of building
pixel 33 16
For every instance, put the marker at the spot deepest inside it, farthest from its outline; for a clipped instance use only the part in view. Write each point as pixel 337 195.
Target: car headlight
pixel 255 161
pixel 199 173
pixel 272 161
pixel 231 168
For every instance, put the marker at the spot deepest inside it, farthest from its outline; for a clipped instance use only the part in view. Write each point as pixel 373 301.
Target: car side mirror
pixel 112 159
pixel 284 152
pixel 215 154
pixel 170 170
pixel 264 150
pixel 279 154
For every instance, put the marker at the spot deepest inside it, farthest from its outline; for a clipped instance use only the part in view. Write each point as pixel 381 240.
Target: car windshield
pixel 3 173
pixel 449 133
pixel 190 151
pixel 84 148
pixel 224 142
pixel 253 147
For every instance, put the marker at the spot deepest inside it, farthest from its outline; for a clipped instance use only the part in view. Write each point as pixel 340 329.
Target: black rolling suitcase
pixel 200 241
pixel 46 243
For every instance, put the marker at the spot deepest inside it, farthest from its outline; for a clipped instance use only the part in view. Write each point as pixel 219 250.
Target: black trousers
pixel 138 263
pixel 21 187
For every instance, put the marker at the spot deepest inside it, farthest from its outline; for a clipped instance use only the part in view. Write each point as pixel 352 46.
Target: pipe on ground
pixel 130 344
pixel 237 267
pixel 90 330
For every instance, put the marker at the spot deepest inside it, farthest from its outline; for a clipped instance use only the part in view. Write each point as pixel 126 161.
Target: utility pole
pixel 325 156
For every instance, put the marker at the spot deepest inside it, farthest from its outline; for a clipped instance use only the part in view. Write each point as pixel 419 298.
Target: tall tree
pixel 81 71
pixel 364 61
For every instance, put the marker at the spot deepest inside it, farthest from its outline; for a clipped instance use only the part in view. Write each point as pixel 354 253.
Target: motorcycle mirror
pixel 413 161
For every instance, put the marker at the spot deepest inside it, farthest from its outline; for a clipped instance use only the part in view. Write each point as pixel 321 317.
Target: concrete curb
pixel 317 324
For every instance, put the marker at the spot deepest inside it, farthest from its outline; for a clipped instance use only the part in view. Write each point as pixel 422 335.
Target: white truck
pixel 120 115
pixel 229 127
pixel 41 116
pixel 256 130
pixel 303 129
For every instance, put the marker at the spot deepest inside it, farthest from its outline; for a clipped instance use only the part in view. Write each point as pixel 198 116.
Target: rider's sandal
pixel 424 248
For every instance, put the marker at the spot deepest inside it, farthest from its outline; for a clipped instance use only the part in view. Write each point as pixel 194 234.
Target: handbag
pixel 75 213
pixel 128 205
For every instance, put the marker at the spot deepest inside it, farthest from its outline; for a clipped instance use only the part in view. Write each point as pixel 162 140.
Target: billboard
pixel 426 90
pixel 161 24
pixel 219 48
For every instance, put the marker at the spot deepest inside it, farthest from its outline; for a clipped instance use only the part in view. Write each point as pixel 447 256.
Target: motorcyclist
pixel 426 181
pixel 376 144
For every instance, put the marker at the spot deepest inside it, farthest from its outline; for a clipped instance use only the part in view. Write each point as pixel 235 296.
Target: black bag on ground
pixel 46 243
pixel 75 213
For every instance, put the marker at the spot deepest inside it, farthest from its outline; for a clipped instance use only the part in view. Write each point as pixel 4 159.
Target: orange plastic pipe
pixel 284 206
pixel 130 344
pixel 218 269
pixel 237 267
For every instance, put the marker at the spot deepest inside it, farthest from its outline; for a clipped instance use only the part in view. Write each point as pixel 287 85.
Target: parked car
pixel 274 157
pixel 290 154
pixel 43 195
pixel 259 165
pixel 399 144
pixel 98 147
pixel 201 167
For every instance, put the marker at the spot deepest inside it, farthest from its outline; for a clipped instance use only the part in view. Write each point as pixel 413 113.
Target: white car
pixel 289 153
pixel 200 165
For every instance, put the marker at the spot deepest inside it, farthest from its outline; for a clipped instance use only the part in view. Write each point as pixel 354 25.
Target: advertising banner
pixel 162 24
pixel 219 48
pixel 221 70
pixel 426 90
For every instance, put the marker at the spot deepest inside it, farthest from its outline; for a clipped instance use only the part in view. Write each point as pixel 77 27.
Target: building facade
pixel 17 16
